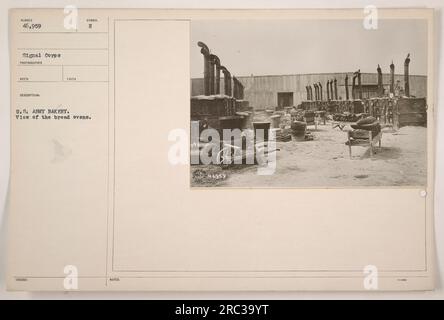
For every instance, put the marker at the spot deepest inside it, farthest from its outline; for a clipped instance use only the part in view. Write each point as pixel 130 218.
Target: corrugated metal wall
pixel 261 91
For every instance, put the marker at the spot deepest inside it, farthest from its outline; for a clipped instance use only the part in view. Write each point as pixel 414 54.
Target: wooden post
pixel 392 78
pixel 349 144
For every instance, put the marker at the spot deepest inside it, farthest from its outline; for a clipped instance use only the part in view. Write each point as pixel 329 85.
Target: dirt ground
pixel 325 162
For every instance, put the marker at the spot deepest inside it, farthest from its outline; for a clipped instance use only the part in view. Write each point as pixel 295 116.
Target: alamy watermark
pixel 70 20
pixel 71 280
pixel 370 21
pixel 234 147
pixel 371 277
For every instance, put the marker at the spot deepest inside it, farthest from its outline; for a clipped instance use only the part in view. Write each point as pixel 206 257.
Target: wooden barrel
pixel 298 128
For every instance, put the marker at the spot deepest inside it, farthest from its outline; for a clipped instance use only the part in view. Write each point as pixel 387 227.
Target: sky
pixel 274 47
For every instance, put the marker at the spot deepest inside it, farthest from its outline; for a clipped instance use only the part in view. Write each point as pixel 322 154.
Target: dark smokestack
pixel 380 86
pixel 217 64
pixel 241 90
pixel 212 74
pixel 392 78
pixel 235 88
pixel 406 76
pixel 238 91
pixel 328 90
pixel 346 87
pixel 336 89
pixel 359 84
pixel 206 53
pixel 227 81
pixel 355 75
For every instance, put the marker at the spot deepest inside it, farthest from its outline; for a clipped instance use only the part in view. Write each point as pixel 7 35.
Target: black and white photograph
pixel 308 103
